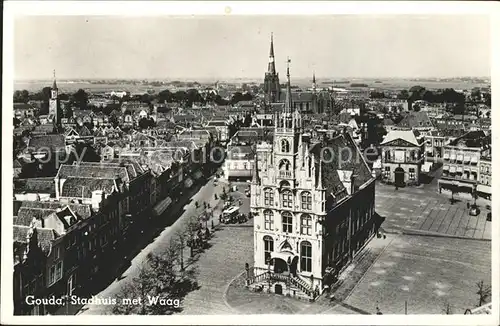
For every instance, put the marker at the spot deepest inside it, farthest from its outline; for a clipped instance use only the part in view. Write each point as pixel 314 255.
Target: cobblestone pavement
pixel 427 211
pixel 427 272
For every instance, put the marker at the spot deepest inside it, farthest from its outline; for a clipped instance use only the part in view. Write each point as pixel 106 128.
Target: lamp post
pixel 269 275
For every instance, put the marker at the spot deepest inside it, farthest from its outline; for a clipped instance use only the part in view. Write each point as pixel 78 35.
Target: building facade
pixel 402 157
pixel 308 221
pixel 462 163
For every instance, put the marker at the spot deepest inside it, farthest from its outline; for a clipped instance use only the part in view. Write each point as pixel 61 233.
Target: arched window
pixel 305 256
pixel 306 200
pixel 268 220
pixel 268 248
pixel 284 165
pixel 286 199
pixel 287 221
pixel 285 146
pixel 268 197
pixel 306 224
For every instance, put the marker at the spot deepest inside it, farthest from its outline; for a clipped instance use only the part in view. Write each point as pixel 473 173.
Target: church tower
pixel 54 110
pixel 271 78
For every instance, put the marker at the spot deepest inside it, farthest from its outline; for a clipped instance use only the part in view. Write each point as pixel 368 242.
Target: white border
pixel 129 8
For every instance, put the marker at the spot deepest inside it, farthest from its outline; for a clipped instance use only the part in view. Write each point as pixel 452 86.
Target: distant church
pixel 314 101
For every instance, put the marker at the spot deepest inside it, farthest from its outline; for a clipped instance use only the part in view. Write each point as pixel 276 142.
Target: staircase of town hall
pixel 294 281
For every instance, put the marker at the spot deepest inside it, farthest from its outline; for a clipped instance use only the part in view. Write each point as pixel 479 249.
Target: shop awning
pixel 483 188
pixel 460 157
pixel 162 206
pixel 473 159
pixel 453 156
pixel 453 169
pixel 446 168
pixel 466 159
pixel 188 183
pixel 459 169
pixel 446 156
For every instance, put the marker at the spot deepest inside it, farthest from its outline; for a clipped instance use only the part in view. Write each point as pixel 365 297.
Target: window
pixel 245 166
pixel 55 273
pixel 268 197
pixel 306 200
pixel 284 165
pixel 268 248
pixel 56 253
pixel 411 171
pixel 387 155
pixel 286 199
pixel 305 256
pixel 285 146
pixel 268 220
pixel 287 220
pixel 306 224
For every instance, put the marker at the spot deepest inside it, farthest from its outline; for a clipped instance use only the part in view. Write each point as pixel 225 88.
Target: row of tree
pixel 163 278
pixel 80 99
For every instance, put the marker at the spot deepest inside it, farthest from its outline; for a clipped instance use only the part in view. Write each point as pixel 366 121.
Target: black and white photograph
pixel 277 161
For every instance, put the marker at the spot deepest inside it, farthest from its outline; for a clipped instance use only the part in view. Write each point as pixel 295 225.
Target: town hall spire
pixel 288 95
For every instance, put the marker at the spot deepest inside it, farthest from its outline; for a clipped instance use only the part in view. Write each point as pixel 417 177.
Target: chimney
pixel 353 188
pixel 97 196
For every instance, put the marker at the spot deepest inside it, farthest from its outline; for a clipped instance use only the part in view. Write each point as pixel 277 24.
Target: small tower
pixel 54 110
pixel 314 82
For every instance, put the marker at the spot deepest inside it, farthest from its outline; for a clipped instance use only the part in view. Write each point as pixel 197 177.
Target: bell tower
pixel 54 111
pixel 287 133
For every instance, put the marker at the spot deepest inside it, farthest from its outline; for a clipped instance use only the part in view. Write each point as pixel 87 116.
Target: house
pixel 402 157
pixel 461 162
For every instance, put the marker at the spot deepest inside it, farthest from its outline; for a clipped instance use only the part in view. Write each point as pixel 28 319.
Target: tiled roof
pixel 35 185
pixel 82 211
pixel 406 135
pixel 54 142
pixel 44 236
pixel 342 159
pixel 25 215
pixel 76 187
pixel 477 138
pixel 128 165
pixel 89 171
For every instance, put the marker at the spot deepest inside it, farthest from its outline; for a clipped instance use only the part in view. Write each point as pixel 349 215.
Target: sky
pixel 334 46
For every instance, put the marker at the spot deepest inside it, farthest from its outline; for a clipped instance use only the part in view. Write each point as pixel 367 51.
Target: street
pixel 158 245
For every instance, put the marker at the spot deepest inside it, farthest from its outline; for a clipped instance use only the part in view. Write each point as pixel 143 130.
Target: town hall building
pixel 313 206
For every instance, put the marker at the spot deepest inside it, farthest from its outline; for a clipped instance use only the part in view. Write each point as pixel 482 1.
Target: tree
pixel 146 123
pixel 484 292
pixel 158 281
pixel 21 96
pixel 80 99
pixel 180 245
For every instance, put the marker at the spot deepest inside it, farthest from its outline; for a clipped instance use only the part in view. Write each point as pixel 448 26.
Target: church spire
pixel 271 67
pixel 288 96
pixel 54 84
